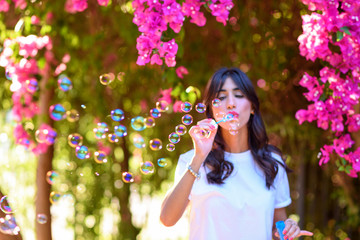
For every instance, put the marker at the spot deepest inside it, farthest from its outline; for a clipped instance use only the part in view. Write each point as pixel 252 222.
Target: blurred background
pixel 93 200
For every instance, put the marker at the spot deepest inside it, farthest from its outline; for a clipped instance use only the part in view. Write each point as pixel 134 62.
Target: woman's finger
pixel 305 233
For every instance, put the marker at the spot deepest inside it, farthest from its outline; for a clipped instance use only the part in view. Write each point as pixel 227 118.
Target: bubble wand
pixel 280 225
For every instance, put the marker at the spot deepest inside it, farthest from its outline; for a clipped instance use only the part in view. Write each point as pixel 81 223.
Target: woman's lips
pixel 235 114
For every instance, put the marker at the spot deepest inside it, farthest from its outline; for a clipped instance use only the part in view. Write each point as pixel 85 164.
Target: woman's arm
pixel 177 199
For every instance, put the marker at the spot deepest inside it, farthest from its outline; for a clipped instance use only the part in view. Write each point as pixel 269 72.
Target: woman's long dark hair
pixel 258 139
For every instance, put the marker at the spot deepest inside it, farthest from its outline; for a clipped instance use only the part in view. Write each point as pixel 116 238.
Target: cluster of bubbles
pixel 107 78
pixel 8 225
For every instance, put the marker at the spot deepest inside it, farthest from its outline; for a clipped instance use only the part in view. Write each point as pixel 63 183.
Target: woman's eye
pixel 221 98
pixel 239 96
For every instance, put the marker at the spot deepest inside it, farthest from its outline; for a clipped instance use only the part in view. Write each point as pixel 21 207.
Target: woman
pixel 234 181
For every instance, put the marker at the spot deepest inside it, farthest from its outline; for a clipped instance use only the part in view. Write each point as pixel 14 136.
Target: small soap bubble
pixel 5 203
pixel 41 134
pixel 51 137
pixel 186 107
pixel 101 130
pixel 187 119
pixel 162 162
pixel 100 157
pixel 83 106
pixel 120 130
pixel 147 167
pixel 170 147
pixel 8 225
pixel 180 129
pixel 220 116
pixel 64 83
pixel 51 177
pixel 31 85
pixel 200 108
pixel 57 112
pixel 54 197
pixel 82 152
pixel 155 113
pixel 41 218
pixel 72 115
pixel 117 115
pixel 120 76
pixel 138 123
pixel 8 75
pixel 155 144
pixel 174 137
pixel 75 140
pixel 138 141
pixel 113 138
pixel 149 122
pixel 216 102
pixel 106 79
pixel 127 177
pixel 162 106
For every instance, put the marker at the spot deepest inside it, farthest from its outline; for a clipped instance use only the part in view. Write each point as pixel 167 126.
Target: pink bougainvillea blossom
pixel 181 71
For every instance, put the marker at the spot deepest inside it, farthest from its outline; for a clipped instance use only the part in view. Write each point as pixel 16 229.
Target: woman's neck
pixel 236 143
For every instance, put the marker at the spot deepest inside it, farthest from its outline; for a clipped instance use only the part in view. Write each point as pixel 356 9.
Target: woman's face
pixel 233 102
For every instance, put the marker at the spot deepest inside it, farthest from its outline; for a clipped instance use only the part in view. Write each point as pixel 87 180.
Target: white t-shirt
pixel 242 208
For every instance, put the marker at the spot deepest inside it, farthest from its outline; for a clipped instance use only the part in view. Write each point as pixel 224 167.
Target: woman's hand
pixel 292 230
pixel 203 142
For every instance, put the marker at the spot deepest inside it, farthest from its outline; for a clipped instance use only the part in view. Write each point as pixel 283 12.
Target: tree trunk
pixel 6 236
pixel 42 203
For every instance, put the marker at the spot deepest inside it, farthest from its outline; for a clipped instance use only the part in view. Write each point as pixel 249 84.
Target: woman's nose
pixel 231 102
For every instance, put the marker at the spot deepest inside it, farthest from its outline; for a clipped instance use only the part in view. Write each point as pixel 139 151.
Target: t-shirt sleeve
pixel 184 159
pixel 282 190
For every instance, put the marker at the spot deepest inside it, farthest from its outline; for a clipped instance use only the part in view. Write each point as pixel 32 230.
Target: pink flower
pixel 20 4
pixel 103 2
pixel 166 95
pixel 104 148
pixel 156 59
pixel 35 20
pixel 180 71
pixel 177 106
pixel 4 6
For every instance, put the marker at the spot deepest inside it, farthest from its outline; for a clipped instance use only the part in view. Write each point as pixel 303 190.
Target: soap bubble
pixel 127 177
pixel 57 112
pixel 138 123
pixel 31 85
pixel 170 147
pixel 120 76
pixel 155 113
pixel 107 78
pixel 64 83
pixel 180 129
pixel 233 131
pixel 174 137
pixel 138 141
pixel 83 106
pixel 186 107
pixel 5 205
pixel 54 197
pixel 202 133
pixel 187 119
pixel 149 122
pixel 101 130
pixel 117 115
pixel 120 130
pixel 8 75
pixel 100 157
pixel 51 177
pixel 147 167
pixel 155 144
pixel 113 138
pixel 82 152
pixel 8 225
pixel 162 106
pixel 162 162
pixel 75 140
pixel 219 116
pixel 72 115
pixel 216 102
pixel 44 135
pixel 41 218
pixel 200 108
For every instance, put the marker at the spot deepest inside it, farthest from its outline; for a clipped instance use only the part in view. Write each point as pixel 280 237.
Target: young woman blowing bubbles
pixel 234 180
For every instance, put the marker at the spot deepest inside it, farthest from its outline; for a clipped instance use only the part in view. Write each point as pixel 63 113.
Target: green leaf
pixel 339 36
pixel 346 30
pixel 337 162
pixel 343 161
pixel 341 169
pixel 348 169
